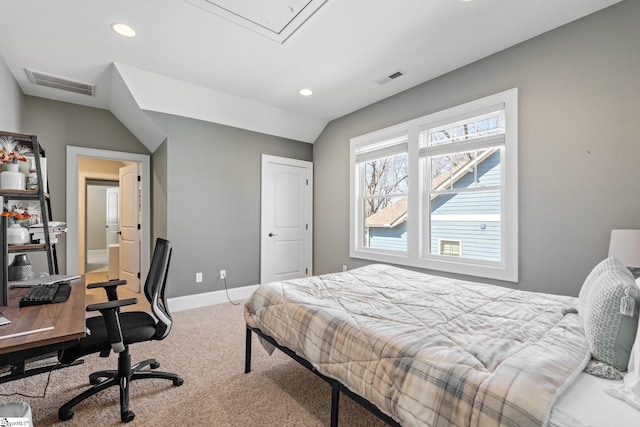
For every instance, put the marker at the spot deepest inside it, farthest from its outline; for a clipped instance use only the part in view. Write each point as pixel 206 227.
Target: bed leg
pixel 247 353
pixel 335 403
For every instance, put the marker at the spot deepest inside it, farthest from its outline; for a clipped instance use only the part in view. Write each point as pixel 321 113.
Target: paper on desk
pixel 54 278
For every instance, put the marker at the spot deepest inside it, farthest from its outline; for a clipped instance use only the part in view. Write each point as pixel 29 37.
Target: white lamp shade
pixel 625 245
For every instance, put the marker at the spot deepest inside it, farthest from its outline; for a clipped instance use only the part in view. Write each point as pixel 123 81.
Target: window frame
pixel 417 254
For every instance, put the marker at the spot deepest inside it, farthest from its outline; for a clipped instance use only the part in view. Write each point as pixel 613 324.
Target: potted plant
pixel 16 233
pixel 11 153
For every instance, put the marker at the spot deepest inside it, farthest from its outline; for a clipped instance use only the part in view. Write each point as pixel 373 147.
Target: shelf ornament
pixel 16 233
pixel 11 153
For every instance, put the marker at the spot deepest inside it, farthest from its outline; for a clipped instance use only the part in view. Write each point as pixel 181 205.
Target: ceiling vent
pixel 42 79
pixel 388 78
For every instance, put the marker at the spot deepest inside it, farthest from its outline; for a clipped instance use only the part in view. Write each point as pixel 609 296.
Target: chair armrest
pixel 109 305
pixel 110 311
pixel 106 284
pixel 109 287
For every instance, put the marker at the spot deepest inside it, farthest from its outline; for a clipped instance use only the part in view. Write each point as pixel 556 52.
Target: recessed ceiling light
pixel 305 92
pixel 123 30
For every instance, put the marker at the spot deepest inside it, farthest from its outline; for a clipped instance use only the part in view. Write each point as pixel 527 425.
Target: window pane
pixel 386 176
pixel 472 218
pixel 386 223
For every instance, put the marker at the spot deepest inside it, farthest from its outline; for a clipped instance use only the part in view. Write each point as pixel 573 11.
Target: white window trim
pixel 416 255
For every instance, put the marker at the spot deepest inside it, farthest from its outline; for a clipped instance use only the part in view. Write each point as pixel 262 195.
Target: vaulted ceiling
pixel 242 63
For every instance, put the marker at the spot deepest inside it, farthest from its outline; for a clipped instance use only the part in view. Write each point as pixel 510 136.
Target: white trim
pixel 209 298
pixel 73 153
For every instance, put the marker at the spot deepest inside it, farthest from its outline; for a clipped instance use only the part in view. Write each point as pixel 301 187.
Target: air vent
pixel 42 79
pixel 388 78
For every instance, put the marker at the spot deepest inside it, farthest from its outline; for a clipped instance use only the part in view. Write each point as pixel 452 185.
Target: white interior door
pixel 129 218
pixel 286 215
pixel 113 193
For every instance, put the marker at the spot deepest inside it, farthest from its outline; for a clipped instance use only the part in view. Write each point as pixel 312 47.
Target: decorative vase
pixel 11 178
pixel 17 234
pixel 20 268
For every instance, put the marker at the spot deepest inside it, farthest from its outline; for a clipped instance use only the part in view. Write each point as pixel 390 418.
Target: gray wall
pixel 578 145
pixel 10 100
pixel 59 124
pixel 213 201
pixel 159 192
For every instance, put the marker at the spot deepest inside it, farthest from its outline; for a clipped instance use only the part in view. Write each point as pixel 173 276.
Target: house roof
pixel 389 217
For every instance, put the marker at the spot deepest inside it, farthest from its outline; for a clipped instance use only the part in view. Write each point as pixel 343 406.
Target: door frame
pixel 266 158
pixel 74 186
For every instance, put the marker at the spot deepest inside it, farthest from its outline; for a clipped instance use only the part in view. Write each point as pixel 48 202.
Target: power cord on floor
pixel 227 292
pixel 44 393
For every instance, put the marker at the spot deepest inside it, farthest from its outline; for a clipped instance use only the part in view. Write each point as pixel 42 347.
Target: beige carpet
pixel 205 347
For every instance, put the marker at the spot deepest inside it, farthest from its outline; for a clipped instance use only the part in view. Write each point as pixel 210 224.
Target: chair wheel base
pixel 178 382
pixel 127 417
pixel 65 416
pixel 154 365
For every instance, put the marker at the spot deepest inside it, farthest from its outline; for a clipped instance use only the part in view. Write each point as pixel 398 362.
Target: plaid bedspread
pixel 427 350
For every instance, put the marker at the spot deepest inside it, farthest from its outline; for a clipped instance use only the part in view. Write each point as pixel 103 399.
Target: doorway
pixel 77 177
pixel 101 226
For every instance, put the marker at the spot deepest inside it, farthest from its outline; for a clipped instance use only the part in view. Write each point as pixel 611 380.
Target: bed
pixel 423 350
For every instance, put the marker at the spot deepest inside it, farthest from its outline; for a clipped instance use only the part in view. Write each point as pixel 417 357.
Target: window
pixel 449 247
pixel 440 191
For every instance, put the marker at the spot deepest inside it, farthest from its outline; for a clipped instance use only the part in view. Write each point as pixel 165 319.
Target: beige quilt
pixel 427 350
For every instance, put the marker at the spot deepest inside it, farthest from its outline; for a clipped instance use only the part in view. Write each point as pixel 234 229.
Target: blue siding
pixel 394 239
pixel 477 242
pixel 485 203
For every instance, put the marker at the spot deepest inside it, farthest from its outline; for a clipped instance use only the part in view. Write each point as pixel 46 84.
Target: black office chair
pixel 115 331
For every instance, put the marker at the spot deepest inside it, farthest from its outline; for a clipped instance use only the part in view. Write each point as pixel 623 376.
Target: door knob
pixel 271 234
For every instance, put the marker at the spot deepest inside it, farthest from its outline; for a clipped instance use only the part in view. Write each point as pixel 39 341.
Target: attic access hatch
pixel 275 19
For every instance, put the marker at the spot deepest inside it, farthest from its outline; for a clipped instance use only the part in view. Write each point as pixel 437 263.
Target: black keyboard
pixel 40 294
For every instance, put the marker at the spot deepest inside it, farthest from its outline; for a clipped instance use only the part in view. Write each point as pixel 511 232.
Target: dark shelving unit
pixel 45 213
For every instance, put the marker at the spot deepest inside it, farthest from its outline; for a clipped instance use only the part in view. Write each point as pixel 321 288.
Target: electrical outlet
pixel 198 277
pixel 344 268
pixel 223 274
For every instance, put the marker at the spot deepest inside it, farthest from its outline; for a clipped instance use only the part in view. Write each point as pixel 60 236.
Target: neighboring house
pixel 461 225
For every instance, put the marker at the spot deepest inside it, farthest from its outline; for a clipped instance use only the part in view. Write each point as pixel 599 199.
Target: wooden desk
pixel 67 319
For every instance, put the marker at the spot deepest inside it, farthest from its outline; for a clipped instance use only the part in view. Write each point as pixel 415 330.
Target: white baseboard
pixel 209 298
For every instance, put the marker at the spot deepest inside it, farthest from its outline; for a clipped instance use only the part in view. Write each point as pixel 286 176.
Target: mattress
pixel 585 404
pixel 428 350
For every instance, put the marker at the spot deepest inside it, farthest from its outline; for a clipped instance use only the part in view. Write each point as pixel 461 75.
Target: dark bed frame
pixel 336 386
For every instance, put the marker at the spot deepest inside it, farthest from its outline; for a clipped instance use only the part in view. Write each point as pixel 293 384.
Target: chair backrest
pixel 154 287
